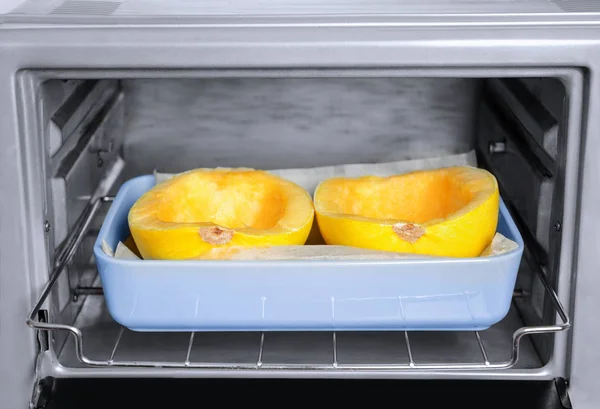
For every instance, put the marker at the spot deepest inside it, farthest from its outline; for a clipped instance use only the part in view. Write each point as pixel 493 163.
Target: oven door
pixel 126 393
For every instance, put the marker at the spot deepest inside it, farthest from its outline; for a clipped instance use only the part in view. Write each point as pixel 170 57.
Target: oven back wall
pixel 270 123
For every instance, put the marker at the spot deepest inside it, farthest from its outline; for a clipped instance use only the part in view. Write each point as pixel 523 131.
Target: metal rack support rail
pixel 75 238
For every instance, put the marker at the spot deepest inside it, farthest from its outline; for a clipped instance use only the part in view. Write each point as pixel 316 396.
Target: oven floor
pixel 104 339
pixel 127 393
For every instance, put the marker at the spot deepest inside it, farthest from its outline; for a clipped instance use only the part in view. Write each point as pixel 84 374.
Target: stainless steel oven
pixel 94 92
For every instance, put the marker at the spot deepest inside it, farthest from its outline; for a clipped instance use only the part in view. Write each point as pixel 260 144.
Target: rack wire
pixel 75 239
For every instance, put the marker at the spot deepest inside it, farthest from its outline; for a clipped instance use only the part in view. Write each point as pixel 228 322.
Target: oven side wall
pixel 22 248
pixel 584 356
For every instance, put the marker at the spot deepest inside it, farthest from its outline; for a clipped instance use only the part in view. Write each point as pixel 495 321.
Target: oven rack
pixel 36 320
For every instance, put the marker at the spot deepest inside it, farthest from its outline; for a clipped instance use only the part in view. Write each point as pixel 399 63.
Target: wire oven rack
pixel 77 235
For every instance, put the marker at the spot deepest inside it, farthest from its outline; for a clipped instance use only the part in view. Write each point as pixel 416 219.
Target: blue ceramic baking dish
pixel 412 294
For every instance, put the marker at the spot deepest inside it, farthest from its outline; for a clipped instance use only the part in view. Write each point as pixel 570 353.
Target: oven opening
pixel 99 132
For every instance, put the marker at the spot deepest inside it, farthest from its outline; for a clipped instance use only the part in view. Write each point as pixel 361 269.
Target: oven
pixel 95 93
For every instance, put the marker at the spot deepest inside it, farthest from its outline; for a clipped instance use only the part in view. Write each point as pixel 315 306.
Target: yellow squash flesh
pixel 196 211
pixel 450 212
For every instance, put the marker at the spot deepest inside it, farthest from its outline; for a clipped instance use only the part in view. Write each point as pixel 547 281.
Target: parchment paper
pixel 309 179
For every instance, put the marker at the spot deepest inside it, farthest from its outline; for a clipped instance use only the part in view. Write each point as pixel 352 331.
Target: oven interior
pixel 98 132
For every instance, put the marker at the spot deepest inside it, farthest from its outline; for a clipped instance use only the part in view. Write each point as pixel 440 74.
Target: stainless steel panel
pixel 70 120
pixel 297 7
pixel 83 165
pixel 528 186
pixel 395 41
pixel 538 125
